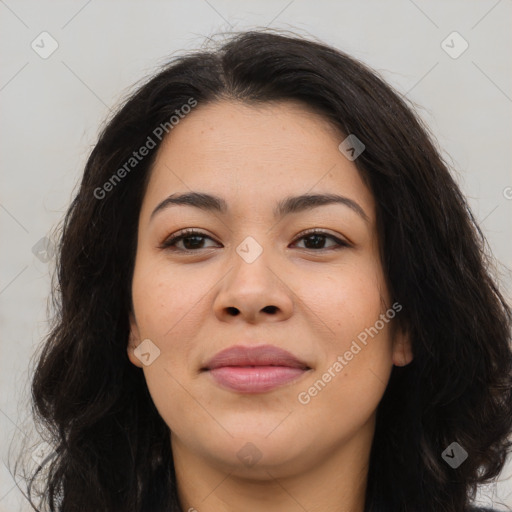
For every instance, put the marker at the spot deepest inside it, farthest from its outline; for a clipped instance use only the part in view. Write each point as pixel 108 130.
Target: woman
pixel 273 296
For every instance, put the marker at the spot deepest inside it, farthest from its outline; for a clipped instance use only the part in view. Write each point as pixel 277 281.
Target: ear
pixel 402 348
pixel 133 342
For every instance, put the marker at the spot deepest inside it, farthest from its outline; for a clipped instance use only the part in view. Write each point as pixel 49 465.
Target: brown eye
pixel 316 239
pixel 192 241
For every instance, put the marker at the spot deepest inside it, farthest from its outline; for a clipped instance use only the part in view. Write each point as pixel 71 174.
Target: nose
pixel 254 292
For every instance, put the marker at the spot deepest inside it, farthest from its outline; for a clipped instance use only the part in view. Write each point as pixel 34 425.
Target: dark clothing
pixel 471 509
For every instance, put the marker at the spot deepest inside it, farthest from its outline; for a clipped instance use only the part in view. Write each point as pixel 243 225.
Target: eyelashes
pixel 315 235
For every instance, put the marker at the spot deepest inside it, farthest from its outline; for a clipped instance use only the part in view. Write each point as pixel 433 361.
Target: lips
pixel 261 355
pixel 254 369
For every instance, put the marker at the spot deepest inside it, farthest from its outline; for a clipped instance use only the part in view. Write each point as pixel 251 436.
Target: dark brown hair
pixel 112 448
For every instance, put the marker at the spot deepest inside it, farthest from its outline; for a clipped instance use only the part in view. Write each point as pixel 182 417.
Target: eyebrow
pixel 287 206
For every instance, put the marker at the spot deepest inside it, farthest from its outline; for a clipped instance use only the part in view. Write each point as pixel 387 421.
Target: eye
pixel 194 240
pixel 318 237
pixel 190 237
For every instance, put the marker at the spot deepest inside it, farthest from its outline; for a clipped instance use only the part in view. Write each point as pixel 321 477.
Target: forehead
pixel 255 154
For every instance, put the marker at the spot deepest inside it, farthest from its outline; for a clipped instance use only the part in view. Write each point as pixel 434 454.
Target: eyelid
pixel 322 231
pixel 183 233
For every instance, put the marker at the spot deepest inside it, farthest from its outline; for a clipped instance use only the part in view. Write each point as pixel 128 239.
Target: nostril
pixel 270 309
pixel 232 311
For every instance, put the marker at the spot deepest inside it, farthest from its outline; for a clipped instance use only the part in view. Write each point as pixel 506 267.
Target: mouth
pixel 254 369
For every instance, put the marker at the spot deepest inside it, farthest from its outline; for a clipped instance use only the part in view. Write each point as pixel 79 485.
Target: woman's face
pixel 252 277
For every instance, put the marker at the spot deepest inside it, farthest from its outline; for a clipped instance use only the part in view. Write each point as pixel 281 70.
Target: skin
pixel 314 456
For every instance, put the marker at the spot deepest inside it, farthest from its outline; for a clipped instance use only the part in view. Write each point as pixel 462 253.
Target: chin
pixel 256 454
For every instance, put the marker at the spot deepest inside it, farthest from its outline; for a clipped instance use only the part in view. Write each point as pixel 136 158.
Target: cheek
pixel 363 334
pixel 165 300
pixel 167 308
pixel 356 358
pixel 346 298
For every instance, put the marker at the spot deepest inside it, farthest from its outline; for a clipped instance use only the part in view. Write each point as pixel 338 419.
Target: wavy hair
pixel 112 449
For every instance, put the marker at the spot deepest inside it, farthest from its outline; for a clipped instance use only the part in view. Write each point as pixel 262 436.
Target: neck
pixel 328 482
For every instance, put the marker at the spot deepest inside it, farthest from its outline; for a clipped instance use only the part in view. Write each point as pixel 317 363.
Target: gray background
pixel 52 110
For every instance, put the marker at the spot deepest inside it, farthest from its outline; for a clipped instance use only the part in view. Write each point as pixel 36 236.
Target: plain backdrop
pixel 53 106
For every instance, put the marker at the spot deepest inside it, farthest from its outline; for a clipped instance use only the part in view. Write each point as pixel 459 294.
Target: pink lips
pixel 254 369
